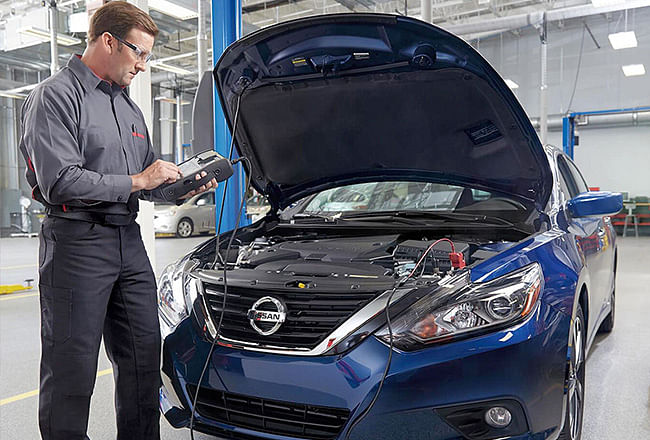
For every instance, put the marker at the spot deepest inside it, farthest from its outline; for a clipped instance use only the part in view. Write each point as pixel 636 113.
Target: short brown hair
pixel 118 18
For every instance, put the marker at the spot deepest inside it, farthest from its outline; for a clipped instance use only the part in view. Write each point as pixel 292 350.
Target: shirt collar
pixel 86 76
pixel 89 79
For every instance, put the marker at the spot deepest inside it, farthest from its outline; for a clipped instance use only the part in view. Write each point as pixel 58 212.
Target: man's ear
pixel 108 42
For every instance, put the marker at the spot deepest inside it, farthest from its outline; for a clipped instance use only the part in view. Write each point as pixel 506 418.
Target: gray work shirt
pixel 82 138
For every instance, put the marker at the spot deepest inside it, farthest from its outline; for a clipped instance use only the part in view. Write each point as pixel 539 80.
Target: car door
pixel 605 232
pixel 589 233
pixel 205 210
pixel 211 211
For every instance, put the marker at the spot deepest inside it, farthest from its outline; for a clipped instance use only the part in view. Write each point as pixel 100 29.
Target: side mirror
pixel 595 204
pixel 201 202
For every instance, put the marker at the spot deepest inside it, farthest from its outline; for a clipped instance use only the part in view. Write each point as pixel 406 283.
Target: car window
pixel 392 196
pixel 205 199
pixel 385 196
pixel 581 185
pixel 567 177
pixel 477 194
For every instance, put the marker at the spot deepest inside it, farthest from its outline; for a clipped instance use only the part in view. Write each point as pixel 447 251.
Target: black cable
pixel 218 254
pixel 388 362
pixel 225 188
pixel 575 82
pixel 398 283
pixel 225 295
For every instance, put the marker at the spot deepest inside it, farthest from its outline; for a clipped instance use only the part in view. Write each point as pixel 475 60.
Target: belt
pixel 94 217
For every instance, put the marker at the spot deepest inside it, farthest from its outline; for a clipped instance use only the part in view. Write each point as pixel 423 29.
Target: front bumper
pixel 524 364
pixel 164 224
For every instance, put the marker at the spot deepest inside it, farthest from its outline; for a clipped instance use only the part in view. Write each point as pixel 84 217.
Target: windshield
pixel 412 196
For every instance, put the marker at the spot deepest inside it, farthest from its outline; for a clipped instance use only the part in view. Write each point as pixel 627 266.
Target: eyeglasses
pixel 141 54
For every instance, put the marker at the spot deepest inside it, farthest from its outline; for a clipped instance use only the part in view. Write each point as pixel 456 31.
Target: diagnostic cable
pixel 224 261
pixel 458 262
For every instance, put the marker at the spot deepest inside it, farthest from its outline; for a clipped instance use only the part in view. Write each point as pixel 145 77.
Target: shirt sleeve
pixel 50 129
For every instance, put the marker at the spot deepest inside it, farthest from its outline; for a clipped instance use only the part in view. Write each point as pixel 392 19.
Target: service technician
pixel 90 159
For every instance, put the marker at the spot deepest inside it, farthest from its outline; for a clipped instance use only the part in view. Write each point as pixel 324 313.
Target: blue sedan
pixel 427 270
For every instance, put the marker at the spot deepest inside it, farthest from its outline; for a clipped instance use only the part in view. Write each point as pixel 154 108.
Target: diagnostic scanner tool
pixel 215 165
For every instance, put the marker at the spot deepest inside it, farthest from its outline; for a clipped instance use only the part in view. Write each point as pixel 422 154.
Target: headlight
pixel 460 308
pixel 171 291
pixel 167 212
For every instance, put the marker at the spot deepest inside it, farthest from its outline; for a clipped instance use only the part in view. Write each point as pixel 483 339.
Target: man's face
pixel 125 63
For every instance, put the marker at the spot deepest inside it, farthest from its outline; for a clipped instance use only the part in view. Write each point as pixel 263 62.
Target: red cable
pixel 453 251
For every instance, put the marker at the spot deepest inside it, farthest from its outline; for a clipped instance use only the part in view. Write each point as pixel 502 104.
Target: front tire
pixel 575 379
pixel 184 228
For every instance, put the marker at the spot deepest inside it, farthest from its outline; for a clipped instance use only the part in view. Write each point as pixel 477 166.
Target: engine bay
pixel 287 287
pixel 316 258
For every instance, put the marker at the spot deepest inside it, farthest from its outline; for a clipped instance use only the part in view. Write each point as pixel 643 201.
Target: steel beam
pixel 226 28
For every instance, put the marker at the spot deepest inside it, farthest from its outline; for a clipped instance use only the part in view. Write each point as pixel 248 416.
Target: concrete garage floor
pixel 618 376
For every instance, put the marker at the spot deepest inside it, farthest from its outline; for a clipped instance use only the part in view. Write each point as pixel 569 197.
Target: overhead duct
pixel 611 120
pixel 535 18
pixel 553 122
pixel 496 24
pixel 7 60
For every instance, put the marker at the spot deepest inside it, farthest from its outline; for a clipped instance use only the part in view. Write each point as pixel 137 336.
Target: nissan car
pixel 194 215
pixel 427 269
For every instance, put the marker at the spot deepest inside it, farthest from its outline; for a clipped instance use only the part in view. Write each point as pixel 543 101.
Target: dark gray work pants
pixel 97 280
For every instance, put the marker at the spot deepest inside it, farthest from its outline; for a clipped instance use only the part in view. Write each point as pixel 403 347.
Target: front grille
pixel 311 316
pixel 224 433
pixel 270 416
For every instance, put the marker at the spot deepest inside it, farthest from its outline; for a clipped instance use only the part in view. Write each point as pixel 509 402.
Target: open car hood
pixel 350 98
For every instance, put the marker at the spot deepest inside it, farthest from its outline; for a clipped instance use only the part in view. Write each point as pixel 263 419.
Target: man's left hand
pixel 203 188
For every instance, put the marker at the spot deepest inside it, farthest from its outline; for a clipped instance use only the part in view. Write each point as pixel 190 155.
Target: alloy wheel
pixel 576 379
pixel 184 228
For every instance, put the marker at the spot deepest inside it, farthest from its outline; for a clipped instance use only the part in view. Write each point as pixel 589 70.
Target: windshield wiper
pixel 327 218
pixel 428 215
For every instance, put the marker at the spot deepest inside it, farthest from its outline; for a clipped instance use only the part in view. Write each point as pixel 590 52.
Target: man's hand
pixel 155 175
pixel 203 188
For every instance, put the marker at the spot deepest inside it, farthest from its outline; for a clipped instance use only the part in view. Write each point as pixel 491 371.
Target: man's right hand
pixel 155 175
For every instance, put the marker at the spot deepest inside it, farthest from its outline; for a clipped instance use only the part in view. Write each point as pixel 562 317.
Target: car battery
pixel 437 258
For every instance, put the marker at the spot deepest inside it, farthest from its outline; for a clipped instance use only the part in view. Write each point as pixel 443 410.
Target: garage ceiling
pixel 176 44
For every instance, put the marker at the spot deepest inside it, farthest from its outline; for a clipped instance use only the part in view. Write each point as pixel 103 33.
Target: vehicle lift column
pixel 571 120
pixel 226 28
pixel 569 138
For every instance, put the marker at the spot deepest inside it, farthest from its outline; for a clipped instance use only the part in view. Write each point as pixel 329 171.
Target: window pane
pixel 567 177
pixel 577 177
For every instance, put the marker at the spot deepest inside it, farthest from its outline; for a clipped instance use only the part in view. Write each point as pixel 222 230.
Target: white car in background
pixel 195 215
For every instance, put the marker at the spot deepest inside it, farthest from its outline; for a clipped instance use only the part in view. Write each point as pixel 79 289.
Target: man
pixel 89 160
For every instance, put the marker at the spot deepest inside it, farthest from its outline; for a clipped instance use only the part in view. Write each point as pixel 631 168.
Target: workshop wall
pixel 611 158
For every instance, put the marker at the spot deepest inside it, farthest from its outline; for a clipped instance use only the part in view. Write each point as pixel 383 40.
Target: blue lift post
pixel 569 125
pixel 226 28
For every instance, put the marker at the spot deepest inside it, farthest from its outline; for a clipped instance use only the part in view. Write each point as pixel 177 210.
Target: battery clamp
pixel 215 166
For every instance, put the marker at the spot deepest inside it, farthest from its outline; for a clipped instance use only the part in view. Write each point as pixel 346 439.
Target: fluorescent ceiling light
pixel 294 14
pixel 268 20
pixel 172 9
pixel 170 68
pixel 601 3
pixel 78 22
pixel 634 70
pixel 4 94
pixel 18 92
pixel 447 4
pixel 44 35
pixel 513 85
pixel 170 100
pixel 27 88
pixel 623 40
